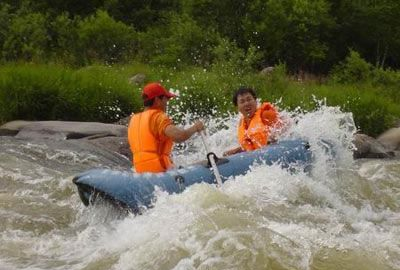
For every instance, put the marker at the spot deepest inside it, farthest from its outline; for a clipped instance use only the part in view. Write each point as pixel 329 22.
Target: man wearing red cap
pixel 151 133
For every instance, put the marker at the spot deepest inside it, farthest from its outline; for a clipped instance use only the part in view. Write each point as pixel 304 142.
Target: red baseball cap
pixel 152 90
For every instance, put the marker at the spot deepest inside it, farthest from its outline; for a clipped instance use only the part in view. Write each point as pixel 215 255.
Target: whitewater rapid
pixel 345 214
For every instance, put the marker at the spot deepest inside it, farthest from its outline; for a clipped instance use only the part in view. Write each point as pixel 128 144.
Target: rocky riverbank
pixel 112 137
pixel 108 137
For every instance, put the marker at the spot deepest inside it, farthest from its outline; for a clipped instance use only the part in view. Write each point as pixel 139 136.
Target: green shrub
pixel 104 39
pixel 5 18
pixel 228 58
pixel 64 35
pixel 387 80
pixel 373 112
pixel 178 43
pixel 27 38
pixel 353 69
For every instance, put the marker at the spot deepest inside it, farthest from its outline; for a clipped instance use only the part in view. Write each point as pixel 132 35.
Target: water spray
pixel 211 157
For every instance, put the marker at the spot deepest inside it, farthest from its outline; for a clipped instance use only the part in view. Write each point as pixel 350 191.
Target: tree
pixel 370 27
pixel 140 14
pixel 292 31
pixel 27 38
pixel 181 41
pixel 102 38
pixel 224 16
pixel 5 18
pixel 64 39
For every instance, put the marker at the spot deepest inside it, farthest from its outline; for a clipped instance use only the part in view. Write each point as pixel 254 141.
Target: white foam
pixel 268 214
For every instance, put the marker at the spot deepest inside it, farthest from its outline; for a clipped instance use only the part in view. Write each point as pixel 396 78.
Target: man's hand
pixel 198 126
pixel 232 151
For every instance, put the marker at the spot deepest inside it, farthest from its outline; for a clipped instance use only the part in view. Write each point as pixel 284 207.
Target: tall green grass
pixel 103 93
pixel 51 92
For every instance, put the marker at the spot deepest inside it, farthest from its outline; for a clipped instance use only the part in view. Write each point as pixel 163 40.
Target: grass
pixel 103 93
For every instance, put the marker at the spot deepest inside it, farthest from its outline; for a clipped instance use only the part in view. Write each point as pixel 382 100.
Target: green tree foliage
pixel 230 60
pixel 369 27
pixel 309 35
pixel 353 69
pixel 27 38
pixel 57 7
pixel 64 34
pixel 141 14
pixel 224 16
pixel 102 38
pixel 293 31
pixel 5 18
pixel 178 43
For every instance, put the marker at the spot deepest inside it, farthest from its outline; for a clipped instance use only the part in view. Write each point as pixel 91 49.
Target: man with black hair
pixel 256 123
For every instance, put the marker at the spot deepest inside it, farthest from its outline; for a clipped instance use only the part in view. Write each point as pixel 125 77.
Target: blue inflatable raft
pixel 136 191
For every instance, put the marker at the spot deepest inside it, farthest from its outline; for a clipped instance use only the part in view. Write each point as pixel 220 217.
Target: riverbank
pixel 108 93
pixel 113 137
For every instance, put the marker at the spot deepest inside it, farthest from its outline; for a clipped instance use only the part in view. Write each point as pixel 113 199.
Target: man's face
pixel 163 102
pixel 247 105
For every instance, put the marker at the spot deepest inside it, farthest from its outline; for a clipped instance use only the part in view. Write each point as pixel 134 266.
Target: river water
pixel 345 214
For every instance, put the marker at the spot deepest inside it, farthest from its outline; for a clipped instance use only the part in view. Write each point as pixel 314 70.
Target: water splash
pixel 344 214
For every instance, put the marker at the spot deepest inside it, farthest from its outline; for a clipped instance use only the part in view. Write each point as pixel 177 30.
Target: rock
pixel 368 147
pixel 109 137
pixel 114 144
pixel 124 121
pixel 12 128
pixel 72 156
pixel 391 139
pixel 61 130
pixel 138 79
pixel 267 71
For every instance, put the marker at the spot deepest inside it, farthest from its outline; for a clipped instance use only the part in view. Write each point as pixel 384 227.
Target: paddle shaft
pixel 212 160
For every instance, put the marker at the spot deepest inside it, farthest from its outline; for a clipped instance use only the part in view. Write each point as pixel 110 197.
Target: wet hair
pixel 147 102
pixel 241 91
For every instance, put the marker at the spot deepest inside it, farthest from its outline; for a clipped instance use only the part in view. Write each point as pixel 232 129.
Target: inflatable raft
pixel 136 191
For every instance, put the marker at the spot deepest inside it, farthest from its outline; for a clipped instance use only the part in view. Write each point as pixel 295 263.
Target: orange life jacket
pixel 255 134
pixel 150 154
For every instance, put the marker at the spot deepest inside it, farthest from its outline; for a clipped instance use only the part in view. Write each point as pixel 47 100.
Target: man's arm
pixel 269 116
pixel 233 151
pixel 180 135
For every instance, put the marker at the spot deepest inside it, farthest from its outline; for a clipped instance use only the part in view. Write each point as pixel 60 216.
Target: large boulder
pixel 70 156
pixel 124 121
pixel 118 145
pixel 267 71
pixel 109 137
pixel 391 139
pixel 61 129
pixel 12 128
pixel 138 79
pixel 368 147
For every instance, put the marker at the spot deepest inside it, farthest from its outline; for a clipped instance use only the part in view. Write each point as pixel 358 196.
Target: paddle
pixel 211 158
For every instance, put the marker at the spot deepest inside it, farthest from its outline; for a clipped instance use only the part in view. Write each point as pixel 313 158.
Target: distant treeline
pixel 306 35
